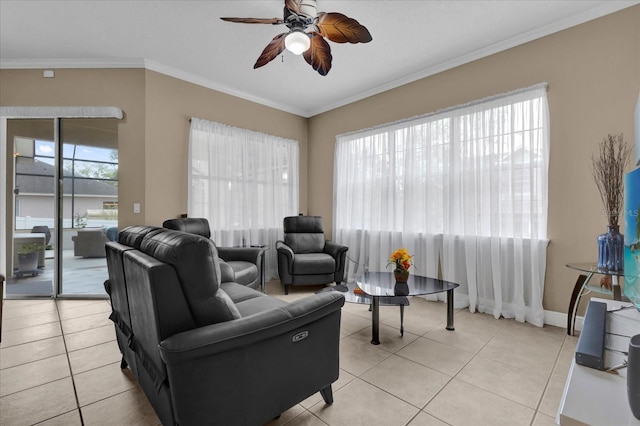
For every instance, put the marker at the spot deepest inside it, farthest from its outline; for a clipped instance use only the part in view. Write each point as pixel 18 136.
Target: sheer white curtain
pixel 465 188
pixel 244 183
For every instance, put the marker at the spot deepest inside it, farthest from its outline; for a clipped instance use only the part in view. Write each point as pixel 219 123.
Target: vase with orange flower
pixel 401 261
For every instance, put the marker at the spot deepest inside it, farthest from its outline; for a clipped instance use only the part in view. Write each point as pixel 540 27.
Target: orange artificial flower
pixel 401 259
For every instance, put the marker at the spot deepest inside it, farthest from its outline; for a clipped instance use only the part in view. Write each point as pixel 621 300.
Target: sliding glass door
pixel 89 204
pixel 65 202
pixel 34 207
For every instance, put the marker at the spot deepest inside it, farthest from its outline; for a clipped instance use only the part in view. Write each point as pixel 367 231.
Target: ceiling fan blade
pixel 342 29
pixel 293 5
pixel 273 21
pixel 273 49
pixel 319 54
pixel 304 8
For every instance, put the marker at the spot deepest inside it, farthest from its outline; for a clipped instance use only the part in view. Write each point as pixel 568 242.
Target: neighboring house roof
pixel 43 182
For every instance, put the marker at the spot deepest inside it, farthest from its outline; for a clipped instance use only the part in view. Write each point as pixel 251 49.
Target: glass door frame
pixel 56 114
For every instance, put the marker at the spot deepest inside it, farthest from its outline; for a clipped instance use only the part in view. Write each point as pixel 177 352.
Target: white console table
pixel 594 397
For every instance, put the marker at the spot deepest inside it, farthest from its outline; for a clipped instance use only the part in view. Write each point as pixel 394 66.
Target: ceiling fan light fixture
pixel 297 42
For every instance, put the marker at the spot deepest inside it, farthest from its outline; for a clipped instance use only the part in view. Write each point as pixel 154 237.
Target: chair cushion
pixel 304 224
pixel 239 293
pixel 245 272
pixel 132 236
pixel 250 301
pixel 192 225
pixel 304 234
pixel 112 233
pixel 313 263
pixel 195 260
pixel 259 304
pixel 305 242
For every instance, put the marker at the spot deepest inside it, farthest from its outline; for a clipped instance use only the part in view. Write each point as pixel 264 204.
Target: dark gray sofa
pixel 208 352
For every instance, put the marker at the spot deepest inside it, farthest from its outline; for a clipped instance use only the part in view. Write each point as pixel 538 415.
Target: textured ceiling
pixel 186 39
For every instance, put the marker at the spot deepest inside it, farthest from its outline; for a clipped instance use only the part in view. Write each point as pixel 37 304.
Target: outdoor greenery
pixel 94 170
pixel 30 248
pixel 79 220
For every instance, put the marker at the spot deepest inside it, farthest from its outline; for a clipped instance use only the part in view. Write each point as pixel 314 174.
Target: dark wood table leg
pixel 450 310
pixel 375 321
pixel 575 298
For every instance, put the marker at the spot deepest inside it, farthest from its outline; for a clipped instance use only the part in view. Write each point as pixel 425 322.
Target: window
pixel 244 183
pixel 448 183
pixel 90 184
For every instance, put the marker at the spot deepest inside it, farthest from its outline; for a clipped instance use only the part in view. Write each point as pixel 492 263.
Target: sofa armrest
pixel 339 253
pixel 285 250
pixel 217 371
pixel 246 254
pixel 226 272
pixel 221 337
pixel 334 249
pixel 285 263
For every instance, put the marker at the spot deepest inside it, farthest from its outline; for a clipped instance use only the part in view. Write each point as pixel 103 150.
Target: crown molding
pixel 557 26
pixel 560 25
pixel 209 84
pixel 57 63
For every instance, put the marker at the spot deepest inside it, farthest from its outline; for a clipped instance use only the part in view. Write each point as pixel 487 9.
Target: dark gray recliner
pixel 117 290
pixel 305 257
pixel 207 352
pixel 243 265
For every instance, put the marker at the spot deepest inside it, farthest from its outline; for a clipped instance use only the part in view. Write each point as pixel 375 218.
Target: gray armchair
pixel 90 243
pixel 243 265
pixel 305 257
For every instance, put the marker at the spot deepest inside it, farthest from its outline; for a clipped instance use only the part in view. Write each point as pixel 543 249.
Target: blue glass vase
pixel 611 249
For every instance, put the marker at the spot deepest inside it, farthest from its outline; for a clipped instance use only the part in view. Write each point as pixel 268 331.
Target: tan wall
pixel 153 136
pixel 593 71
pixel 104 87
pixel 170 104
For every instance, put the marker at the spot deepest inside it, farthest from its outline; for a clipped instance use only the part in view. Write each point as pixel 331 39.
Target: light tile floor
pixel 60 365
pixel 80 276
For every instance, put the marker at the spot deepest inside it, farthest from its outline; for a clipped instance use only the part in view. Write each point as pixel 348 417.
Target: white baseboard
pixel 559 319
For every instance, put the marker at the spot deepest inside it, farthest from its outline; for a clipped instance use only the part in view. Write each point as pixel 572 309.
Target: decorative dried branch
pixel 608 171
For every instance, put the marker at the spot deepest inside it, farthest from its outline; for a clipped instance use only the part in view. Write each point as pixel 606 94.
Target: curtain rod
pixel 544 85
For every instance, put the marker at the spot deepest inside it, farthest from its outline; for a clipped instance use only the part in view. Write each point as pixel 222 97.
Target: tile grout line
pixel 546 386
pixel 454 376
pixel 73 380
pixel 535 410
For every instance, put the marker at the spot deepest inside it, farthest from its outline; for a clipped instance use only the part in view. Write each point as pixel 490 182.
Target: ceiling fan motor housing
pixel 307 15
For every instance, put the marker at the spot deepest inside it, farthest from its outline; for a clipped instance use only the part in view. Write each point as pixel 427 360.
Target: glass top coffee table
pixel 583 287
pixel 380 288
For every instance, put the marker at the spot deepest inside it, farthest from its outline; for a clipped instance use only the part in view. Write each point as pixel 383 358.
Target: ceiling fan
pixel 307 31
